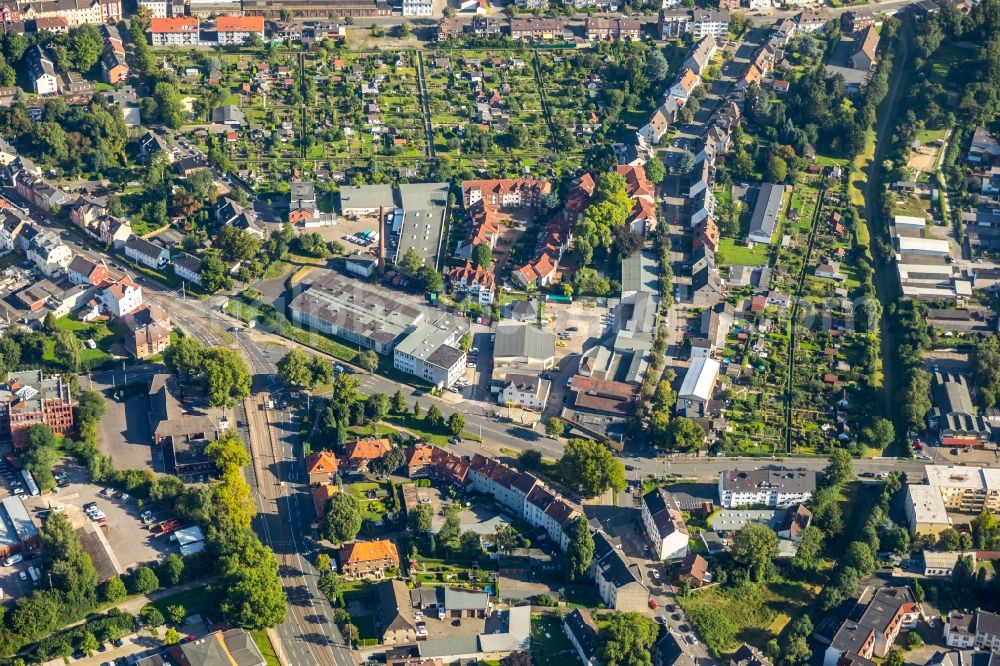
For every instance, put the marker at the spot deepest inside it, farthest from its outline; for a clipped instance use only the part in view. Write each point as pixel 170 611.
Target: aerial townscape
pixel 500 332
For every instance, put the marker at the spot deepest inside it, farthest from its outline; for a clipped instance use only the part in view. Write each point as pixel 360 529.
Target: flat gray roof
pixel 640 273
pixel 424 207
pixel 516 339
pixel 366 196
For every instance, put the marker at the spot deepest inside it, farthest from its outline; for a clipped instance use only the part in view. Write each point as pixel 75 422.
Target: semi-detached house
pixel 146 253
pixel 889 611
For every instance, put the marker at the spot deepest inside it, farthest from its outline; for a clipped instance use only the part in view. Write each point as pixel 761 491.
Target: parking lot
pixel 130 540
pixel 580 324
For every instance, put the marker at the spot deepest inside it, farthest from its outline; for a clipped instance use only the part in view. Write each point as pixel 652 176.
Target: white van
pixel 13 559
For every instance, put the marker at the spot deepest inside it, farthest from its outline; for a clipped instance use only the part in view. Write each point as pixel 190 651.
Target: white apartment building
pixel 176 31
pixel 429 352
pixel 417 7
pixel 157 8
pixel 767 487
pixel 664 525
pixel 235 30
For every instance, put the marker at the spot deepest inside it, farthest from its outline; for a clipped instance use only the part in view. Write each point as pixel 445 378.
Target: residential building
pixel 600 28
pixel 664 525
pixel 812 20
pixel 187 267
pixel 793 525
pixel 146 253
pixel 39 191
pixel 694 569
pixel 618 581
pixel 959 630
pixel 431 352
pixel 235 30
pixel 368 559
pixel 174 31
pixel 581 630
pixel 538 29
pixel 321 467
pixel 42 72
pixel 511 194
pixel 523 346
pixel 29 397
pixel 701 55
pixel 75 13
pixel 766 209
pixel 148 331
pixel 697 388
pixel 49 254
pixel 890 611
pixel 120 298
pixel 475 282
pixel 778 487
pixel 181 434
pixel 84 271
pixel 301 202
pixel 925 510
pixel 115 231
pixel 708 23
pixel 233 647
pixel 707 288
pixel 524 495
pixel 748 655
pixel 685 85
pixel 525 391
pixel 966 489
pixel 156 8
pixel 396 623
pixel 987 631
pixel 865 46
pixel 359 453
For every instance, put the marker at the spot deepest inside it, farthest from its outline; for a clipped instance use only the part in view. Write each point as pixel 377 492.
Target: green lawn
pixel 757 614
pixel 371 509
pixel 197 600
pixel 549 644
pixel 264 645
pixel 736 255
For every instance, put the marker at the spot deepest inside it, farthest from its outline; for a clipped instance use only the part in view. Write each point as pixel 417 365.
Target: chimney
pixel 381 241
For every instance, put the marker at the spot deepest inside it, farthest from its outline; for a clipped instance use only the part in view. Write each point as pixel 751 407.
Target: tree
pixel 176 613
pixel 839 470
pixel 172 636
pixel 88 643
pixel 377 406
pixel 144 581
pixel 228 451
pixel 530 458
pixel 342 521
pixel 777 169
pixel 389 463
pixel 918 591
pixel 172 569
pixel 894 658
pixel 367 360
pixel 555 427
pixel 470 545
pixel 419 518
pixel 293 367
pixel 627 240
pixel 859 556
pixel 456 423
pixel 506 539
pixel 807 555
pixel 656 65
pixel 755 548
pixel 627 640
pixel 113 590
pixel 656 171
pixel 580 551
pixel 985 530
pixel 226 377
pixel 592 466
pixel 482 255
pixel 434 418
pixel 214 274
pixel 398 402
pixel 881 434
pixel 452 525
pixel 683 434
pixel 151 616
pixel 85 46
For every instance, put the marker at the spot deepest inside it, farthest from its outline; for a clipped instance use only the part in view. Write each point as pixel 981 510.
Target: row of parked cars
pixel 12 477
